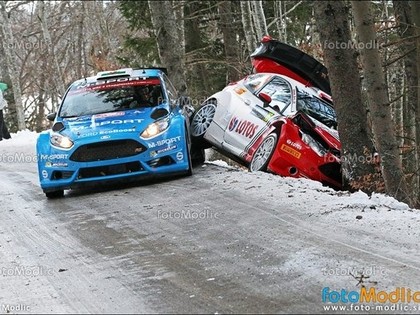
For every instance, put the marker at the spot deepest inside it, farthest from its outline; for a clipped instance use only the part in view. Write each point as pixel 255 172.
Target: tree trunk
pixel 229 40
pixel 11 58
pixel 60 85
pixel 250 35
pixel 332 22
pixel 259 19
pixel 194 49
pixel 406 30
pixel 168 42
pixel 382 126
pixel 416 20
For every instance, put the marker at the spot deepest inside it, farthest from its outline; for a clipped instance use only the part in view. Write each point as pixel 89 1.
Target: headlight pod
pixel 61 141
pixel 318 148
pixel 155 128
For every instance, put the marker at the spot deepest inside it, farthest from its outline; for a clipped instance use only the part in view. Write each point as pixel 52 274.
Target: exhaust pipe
pixel 293 171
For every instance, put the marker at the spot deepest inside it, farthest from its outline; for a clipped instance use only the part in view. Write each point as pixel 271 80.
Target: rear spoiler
pixel 306 68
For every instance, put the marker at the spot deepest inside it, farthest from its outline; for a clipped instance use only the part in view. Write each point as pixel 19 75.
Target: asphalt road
pixel 183 245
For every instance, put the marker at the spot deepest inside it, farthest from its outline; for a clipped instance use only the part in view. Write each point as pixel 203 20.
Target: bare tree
pixel 382 126
pixel 406 30
pixel 12 64
pixel 332 22
pixel 247 25
pixel 43 17
pixel 258 16
pixel 168 40
pixel 416 19
pixel 229 40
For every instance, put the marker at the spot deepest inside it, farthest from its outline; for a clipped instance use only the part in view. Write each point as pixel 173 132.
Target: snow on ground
pixel 377 227
pixel 297 192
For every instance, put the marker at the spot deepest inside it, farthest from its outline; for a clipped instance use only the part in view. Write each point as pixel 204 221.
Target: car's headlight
pixel 61 141
pixel 155 128
pixel 318 148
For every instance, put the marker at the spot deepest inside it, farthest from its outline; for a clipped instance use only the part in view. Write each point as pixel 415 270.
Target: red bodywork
pixel 293 157
pixel 266 65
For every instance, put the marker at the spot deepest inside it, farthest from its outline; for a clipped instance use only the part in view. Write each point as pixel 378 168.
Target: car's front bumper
pixel 61 169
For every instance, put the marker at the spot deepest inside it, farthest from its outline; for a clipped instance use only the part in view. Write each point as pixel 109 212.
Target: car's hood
pixel 309 124
pixel 330 135
pixel 108 124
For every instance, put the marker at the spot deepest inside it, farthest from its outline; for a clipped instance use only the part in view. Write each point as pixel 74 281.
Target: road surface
pixel 202 244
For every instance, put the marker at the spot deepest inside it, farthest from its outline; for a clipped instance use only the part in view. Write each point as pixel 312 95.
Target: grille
pixel 107 150
pixel 108 170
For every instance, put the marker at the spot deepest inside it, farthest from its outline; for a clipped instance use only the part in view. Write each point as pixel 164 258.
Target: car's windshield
pixel 99 97
pixel 254 82
pixel 316 108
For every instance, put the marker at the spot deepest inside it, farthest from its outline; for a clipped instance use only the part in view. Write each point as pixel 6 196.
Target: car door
pixel 250 120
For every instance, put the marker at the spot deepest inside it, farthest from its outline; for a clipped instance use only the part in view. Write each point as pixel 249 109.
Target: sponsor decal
pixel 179 156
pixel 57 157
pixel 105 133
pixel 49 164
pixel 107 115
pixel 164 142
pixel 243 127
pixel 290 151
pixel 107 122
pixel 154 153
pixel 264 116
pixel 44 174
pixel 240 90
pixel 294 144
pixel 111 83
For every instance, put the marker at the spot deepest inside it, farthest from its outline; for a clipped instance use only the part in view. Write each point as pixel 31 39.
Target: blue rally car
pixel 117 125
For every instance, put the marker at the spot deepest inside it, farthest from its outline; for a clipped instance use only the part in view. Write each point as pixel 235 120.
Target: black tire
pixel 190 164
pixel 263 153
pixel 200 122
pixel 54 194
pixel 197 155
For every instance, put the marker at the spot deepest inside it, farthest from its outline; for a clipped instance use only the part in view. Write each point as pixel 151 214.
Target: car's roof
pixel 312 90
pixel 293 59
pixel 123 73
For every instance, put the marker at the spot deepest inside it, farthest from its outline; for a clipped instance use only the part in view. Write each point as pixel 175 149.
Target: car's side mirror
pixel 51 116
pixel 265 98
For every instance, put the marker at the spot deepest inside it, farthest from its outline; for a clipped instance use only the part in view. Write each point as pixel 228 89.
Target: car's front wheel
pixel 263 154
pixel 201 121
pixel 54 194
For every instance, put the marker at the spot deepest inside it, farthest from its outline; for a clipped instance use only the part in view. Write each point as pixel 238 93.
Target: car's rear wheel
pixel 263 154
pixel 54 194
pixel 201 121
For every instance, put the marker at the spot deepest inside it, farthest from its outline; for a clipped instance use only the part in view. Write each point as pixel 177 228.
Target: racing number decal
pixel 243 127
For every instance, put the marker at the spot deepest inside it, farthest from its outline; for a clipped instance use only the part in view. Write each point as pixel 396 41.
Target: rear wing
pixel 291 62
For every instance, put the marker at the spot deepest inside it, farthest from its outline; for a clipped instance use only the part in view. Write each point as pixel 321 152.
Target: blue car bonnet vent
pixel 159 113
pixel 58 126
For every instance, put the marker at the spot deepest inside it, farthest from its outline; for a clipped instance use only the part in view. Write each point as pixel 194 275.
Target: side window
pixel 317 109
pixel 170 89
pixel 280 93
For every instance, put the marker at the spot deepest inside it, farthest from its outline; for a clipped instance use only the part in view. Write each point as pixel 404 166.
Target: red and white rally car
pixel 272 122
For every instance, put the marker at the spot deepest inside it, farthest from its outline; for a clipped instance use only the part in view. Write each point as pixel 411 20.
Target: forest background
pixel 371 48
